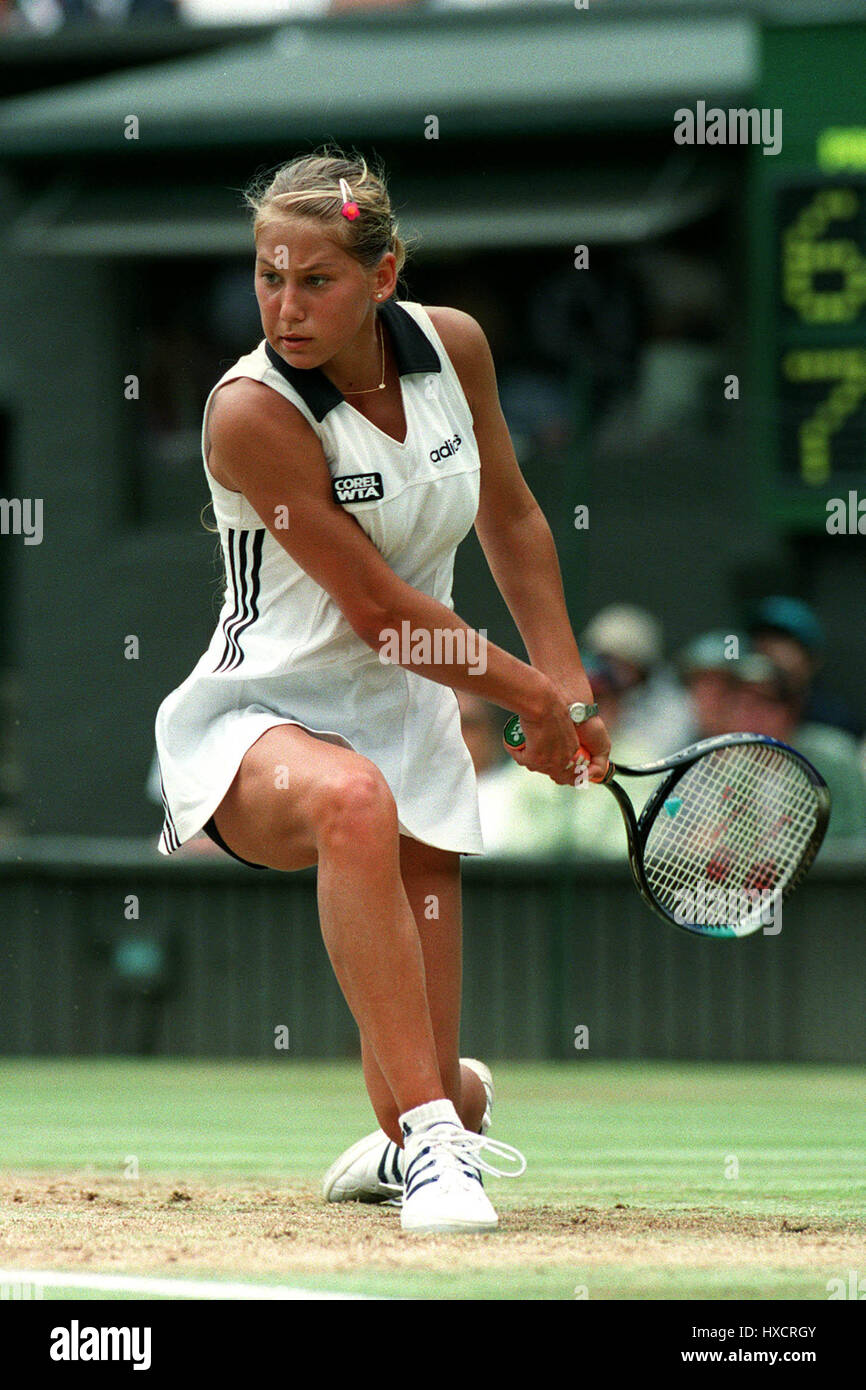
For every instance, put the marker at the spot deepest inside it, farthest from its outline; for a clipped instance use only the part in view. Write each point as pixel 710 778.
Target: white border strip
pixel 168 1288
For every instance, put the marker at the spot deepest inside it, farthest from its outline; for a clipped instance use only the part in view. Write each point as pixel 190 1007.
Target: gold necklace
pixel 381 387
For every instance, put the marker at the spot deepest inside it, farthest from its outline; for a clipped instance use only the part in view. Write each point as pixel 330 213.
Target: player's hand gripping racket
pixel 726 836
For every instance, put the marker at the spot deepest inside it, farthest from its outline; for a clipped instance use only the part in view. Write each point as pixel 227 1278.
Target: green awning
pixel 496 71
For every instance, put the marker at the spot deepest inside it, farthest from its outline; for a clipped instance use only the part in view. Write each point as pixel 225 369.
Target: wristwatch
pixel 581 712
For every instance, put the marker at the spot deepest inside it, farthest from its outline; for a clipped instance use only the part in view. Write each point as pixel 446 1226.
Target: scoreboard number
pixel 821 331
pixel 823 276
pixel 846 367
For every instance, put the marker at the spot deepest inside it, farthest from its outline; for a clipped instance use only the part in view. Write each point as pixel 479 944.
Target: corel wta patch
pixel 362 487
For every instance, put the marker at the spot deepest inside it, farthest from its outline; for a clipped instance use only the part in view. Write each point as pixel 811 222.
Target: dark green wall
pixel 549 948
pixel 88 712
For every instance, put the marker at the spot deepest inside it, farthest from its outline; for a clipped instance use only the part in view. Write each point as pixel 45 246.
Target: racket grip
pixel 514 739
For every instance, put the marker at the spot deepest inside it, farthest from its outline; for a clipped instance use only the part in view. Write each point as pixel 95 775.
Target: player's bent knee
pixel 354 807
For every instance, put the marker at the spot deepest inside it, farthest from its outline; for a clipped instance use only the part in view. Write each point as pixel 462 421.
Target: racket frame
pixel 638 828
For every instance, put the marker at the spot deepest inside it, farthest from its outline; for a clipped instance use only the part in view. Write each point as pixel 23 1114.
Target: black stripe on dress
pixel 246 588
pixel 169 831
pixel 232 575
pixel 251 597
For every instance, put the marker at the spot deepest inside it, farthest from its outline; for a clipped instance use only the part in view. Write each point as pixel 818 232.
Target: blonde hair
pixel 309 186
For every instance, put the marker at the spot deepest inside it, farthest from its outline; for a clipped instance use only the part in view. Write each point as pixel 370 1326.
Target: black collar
pixel 412 349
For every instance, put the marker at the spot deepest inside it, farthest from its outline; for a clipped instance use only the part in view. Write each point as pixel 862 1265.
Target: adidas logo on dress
pixel 446 450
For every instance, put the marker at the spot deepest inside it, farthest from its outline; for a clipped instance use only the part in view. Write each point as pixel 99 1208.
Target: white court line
pixel 170 1288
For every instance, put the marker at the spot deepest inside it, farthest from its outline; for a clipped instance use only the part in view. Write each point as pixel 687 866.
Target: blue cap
pixel 791 616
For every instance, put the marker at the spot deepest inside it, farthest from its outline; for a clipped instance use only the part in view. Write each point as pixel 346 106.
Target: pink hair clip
pixel 350 209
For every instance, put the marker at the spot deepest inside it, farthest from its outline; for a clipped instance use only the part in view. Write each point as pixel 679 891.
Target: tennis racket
pixel 726 836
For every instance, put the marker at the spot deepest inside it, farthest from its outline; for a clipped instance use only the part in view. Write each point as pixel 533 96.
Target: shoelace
pixel 462 1146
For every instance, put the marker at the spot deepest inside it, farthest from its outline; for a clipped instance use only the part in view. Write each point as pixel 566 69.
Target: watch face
pixel 580 712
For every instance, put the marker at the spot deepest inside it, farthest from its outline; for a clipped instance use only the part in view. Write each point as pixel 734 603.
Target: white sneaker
pixel 486 1078
pixel 444 1163
pixel 372 1169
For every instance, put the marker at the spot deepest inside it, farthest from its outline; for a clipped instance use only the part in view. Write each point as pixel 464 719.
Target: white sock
pixel 431 1113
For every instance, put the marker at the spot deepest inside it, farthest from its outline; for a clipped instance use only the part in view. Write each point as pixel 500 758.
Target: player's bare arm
pixel 514 533
pixel 262 446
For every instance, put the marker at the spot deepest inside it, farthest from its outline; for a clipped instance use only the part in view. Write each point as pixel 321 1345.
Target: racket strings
pixel 731 835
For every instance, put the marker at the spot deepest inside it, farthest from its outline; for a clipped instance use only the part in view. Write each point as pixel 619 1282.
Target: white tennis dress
pixel 282 651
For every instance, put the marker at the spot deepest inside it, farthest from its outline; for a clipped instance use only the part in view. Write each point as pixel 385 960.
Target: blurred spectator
pixel 710 667
pixel 654 711
pixel 768 701
pixel 789 632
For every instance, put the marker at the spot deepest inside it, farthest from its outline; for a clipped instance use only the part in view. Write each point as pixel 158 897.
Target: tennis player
pixel 347 456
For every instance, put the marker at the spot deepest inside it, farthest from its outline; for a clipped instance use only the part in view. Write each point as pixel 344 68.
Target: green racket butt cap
pixel 512 734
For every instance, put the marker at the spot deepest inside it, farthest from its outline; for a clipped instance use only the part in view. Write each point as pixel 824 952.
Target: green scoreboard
pixel 808 270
